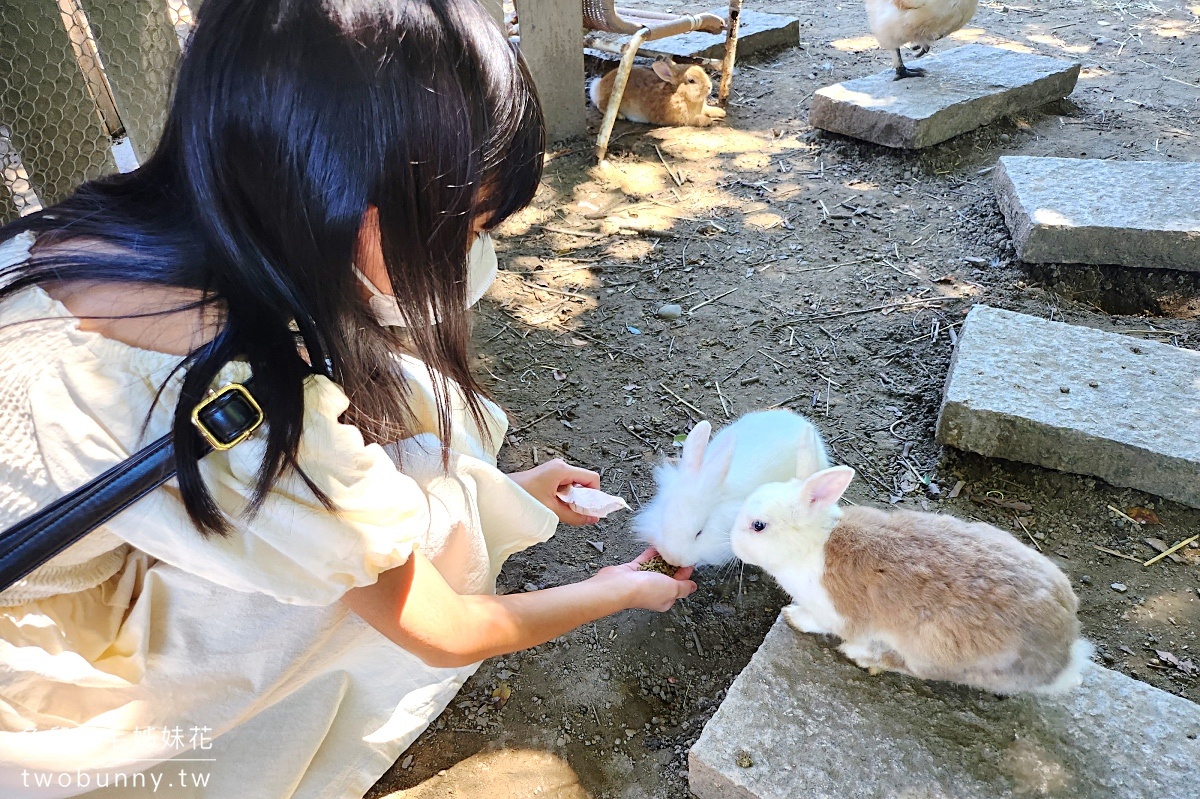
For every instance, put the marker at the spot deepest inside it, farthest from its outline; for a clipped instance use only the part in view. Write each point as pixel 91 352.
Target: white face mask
pixel 481 273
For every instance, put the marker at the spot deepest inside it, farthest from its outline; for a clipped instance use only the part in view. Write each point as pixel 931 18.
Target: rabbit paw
pixel 714 112
pixel 702 121
pixel 875 657
pixel 800 620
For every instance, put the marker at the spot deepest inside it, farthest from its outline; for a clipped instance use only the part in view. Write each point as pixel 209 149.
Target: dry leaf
pixel 502 693
pixel 1186 666
pixel 1142 515
pixel 1158 545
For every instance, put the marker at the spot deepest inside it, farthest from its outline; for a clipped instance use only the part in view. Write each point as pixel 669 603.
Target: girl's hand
pixel 544 482
pixel 649 590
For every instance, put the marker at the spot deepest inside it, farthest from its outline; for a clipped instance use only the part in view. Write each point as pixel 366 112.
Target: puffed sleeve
pixel 293 548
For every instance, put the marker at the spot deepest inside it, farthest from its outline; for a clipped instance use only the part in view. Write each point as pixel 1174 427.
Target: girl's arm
pixel 414 607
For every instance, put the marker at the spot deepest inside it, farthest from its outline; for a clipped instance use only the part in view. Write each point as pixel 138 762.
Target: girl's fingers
pixel 684 573
pixel 584 477
pixel 568 516
pixel 685 588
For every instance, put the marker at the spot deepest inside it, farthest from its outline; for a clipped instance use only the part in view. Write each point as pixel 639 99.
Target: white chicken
pixel 922 22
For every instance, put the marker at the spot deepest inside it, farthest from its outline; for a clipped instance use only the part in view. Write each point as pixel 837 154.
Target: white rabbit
pixel 923 594
pixel 690 517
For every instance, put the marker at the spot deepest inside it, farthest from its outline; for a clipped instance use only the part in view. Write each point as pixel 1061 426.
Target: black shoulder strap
pixel 224 419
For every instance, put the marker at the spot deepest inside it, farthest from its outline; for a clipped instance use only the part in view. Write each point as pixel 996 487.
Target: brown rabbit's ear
pixel 663 70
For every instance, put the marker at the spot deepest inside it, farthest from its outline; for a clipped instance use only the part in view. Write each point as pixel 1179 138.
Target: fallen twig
pixel 681 399
pixel 1115 553
pixel 858 311
pixel 670 171
pixel 710 302
pixel 582 233
pixel 1170 551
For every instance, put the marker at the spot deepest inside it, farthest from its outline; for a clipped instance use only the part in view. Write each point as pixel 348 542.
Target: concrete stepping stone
pixel 801 722
pixel 757 33
pixel 1076 399
pixel 964 88
pixel 1086 211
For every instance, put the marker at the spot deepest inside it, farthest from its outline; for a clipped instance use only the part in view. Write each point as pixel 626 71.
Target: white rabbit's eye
pixel 758 527
pixel 698 532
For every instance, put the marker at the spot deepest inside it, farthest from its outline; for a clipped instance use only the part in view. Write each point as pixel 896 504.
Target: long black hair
pixel 288 121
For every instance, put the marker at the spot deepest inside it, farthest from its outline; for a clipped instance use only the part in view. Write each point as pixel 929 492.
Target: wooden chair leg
pixel 731 40
pixel 618 91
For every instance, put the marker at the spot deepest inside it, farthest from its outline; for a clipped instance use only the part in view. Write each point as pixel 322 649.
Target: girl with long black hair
pixel 286 617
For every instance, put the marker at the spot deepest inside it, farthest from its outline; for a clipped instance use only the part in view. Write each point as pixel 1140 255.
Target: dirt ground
pixel 787 249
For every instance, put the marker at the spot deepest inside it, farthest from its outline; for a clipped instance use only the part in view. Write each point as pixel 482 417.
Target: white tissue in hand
pixel 591 501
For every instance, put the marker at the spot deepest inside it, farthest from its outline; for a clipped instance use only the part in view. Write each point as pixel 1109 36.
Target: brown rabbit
pixel 665 94
pixel 922 594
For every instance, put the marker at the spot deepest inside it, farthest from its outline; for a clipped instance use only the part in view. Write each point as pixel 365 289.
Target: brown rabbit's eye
pixel 758 527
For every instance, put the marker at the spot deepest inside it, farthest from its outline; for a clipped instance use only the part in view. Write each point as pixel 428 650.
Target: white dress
pixel 148 660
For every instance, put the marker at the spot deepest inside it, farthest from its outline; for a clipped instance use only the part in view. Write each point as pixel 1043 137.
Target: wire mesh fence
pixel 84 86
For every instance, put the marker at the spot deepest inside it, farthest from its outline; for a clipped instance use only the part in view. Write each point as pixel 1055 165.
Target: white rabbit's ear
pixel 825 488
pixel 663 70
pixel 694 446
pixel 718 460
pixel 810 454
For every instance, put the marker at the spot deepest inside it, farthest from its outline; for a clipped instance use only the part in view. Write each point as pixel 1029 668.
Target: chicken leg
pixel 903 71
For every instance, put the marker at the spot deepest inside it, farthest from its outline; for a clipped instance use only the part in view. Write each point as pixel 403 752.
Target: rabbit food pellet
pixel 657 564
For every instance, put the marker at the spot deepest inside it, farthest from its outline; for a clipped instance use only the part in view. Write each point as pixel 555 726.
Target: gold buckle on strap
pixel 235 406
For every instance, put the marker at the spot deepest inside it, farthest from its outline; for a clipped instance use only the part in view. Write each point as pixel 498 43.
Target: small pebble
pixel 1005 138
pixel 1120 588
pixel 670 312
pixel 1064 389
pixel 407 763
pixel 1086 579
pixel 1094 384
pixel 743 760
pixel 529 587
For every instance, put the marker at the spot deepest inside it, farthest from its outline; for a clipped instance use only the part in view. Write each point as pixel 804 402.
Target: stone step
pixel 758 34
pixel 1086 211
pixel 802 722
pixel 964 88
pixel 1075 399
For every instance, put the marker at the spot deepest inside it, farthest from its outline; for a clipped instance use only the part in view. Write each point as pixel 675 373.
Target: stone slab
pixel 1076 399
pixel 758 32
pixel 1087 211
pixel 807 724
pixel 964 88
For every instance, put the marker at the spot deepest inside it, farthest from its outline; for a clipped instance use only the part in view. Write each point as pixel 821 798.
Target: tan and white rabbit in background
pixel 923 594
pixel 697 499
pixel 665 94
